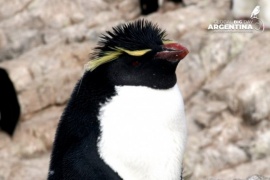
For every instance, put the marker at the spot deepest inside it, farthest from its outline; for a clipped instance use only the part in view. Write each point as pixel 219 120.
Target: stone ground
pixel 225 81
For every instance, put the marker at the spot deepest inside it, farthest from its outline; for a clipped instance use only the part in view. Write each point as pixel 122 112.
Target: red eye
pixel 135 63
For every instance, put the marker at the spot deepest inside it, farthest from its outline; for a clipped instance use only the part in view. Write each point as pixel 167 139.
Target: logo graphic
pixel 254 23
pixel 255 12
pixel 258 24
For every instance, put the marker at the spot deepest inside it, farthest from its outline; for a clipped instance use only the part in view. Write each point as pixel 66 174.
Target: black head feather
pixel 137 53
pixel 137 35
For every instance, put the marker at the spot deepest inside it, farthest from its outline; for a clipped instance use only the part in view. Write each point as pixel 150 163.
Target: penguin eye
pixel 135 63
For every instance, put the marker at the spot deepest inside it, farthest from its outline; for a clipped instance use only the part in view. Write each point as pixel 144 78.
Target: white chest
pixel 143 133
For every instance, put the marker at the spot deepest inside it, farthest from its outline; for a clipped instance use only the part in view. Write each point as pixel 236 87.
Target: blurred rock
pixel 46 76
pixel 260 148
pixel 264 13
pixel 235 129
pixel 36 168
pixel 24 169
pixel 32 137
pixel 213 149
pixel 28 24
pixel 259 167
pixel 12 7
pixel 130 9
pixel 248 93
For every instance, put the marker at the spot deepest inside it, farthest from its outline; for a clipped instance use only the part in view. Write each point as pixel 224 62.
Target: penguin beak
pixel 172 52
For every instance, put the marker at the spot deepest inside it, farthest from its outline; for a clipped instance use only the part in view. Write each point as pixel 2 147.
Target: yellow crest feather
pixel 109 56
pixel 167 41
pixel 135 52
pixel 112 55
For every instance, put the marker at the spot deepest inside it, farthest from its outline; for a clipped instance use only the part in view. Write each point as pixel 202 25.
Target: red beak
pixel 172 52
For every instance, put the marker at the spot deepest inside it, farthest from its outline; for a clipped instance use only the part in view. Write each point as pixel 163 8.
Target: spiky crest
pixel 135 39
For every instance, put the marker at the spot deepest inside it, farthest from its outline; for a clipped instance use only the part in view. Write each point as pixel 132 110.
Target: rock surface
pixel 225 81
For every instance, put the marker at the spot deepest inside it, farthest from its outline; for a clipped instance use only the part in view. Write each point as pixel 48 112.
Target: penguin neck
pixel 91 90
pixel 97 87
pixel 95 83
pixel 152 77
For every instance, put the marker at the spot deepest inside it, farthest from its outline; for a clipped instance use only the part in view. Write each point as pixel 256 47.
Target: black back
pixel 75 154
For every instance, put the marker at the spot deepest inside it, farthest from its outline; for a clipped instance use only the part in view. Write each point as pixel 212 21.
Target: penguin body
pixel 143 128
pixel 125 118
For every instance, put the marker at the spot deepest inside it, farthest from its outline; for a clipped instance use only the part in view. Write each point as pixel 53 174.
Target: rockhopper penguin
pixel 125 118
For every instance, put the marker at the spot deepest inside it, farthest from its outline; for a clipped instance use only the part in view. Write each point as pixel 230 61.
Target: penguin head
pixel 138 54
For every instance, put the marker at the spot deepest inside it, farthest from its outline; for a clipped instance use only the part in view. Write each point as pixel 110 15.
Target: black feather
pixel 138 35
pixel 9 104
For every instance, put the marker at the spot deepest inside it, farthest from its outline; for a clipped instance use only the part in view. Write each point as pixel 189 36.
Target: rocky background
pixel 225 81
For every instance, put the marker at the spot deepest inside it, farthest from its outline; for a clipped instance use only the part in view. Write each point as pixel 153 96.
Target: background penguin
pixel 150 6
pixel 265 13
pixel 9 105
pixel 125 118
